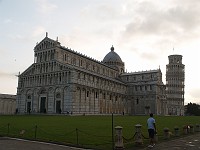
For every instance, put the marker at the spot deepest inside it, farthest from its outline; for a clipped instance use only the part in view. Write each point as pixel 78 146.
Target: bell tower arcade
pixel 175 84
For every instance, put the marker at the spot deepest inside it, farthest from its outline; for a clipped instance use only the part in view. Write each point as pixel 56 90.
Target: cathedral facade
pixel 64 81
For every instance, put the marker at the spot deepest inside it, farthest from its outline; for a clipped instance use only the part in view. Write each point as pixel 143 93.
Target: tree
pixel 193 109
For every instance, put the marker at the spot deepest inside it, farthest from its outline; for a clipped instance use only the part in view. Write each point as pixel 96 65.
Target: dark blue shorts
pixel 151 133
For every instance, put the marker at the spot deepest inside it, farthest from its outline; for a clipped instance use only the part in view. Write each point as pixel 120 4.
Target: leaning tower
pixel 175 77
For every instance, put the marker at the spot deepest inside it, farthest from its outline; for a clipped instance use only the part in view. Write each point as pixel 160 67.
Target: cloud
pixel 102 19
pixel 45 7
pixel 101 12
pixel 194 95
pixel 7 21
pixel 15 36
pixel 148 56
pixel 7 74
pixel 159 26
pixel 195 92
pixel 37 31
pixel 177 19
pixel 3 52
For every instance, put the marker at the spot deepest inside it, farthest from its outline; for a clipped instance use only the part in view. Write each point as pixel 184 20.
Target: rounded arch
pixel 58 90
pixel 65 88
pixel 58 101
pixel 22 91
pixel 50 90
pixel 29 93
pixel 42 90
pixel 36 91
pixel 58 95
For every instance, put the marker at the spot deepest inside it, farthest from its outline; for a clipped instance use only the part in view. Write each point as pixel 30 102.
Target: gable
pixel 46 43
pixel 46 68
pixel 28 71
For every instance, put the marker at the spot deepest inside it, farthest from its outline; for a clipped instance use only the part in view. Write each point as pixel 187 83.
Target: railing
pixel 80 138
pixel 76 137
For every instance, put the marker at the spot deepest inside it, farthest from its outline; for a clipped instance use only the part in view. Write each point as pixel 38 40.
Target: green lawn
pixel 87 131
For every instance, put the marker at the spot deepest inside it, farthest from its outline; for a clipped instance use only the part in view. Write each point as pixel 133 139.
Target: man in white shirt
pixel 151 124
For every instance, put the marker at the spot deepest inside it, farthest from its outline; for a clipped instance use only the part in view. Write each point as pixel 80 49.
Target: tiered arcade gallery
pixel 64 81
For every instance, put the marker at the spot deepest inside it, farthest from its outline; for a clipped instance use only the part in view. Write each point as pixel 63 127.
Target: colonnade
pixel 45 79
pixel 94 101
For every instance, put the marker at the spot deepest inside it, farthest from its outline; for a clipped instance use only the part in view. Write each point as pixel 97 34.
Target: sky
pixel 143 32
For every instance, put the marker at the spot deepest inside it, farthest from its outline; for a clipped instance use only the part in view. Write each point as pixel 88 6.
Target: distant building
pixel 7 104
pixel 175 85
pixel 62 80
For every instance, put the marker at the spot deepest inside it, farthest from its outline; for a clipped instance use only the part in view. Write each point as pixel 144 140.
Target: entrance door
pixel 58 107
pixel 42 105
pixel 29 107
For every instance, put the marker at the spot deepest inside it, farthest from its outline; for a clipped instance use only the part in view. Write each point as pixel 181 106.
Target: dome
pixel 112 57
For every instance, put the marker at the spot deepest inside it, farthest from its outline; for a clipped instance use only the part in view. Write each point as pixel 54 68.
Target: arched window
pixel 58 95
pixel 29 96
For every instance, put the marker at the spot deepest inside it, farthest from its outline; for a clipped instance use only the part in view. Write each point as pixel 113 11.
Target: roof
pixel 7 96
pixel 142 72
pixel 112 57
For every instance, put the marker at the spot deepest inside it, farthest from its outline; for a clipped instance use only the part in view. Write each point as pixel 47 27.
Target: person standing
pixel 151 124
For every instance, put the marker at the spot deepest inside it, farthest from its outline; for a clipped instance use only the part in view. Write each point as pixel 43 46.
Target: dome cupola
pixel 112 59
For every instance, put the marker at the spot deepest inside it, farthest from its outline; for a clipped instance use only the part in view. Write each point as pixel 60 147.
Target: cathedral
pixel 63 81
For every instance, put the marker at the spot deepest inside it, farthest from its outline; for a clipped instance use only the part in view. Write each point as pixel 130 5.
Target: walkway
pixel 19 144
pixel 190 142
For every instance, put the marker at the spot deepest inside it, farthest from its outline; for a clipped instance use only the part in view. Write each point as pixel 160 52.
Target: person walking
pixel 151 124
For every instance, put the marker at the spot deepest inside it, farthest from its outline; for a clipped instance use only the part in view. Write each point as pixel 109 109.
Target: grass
pixel 85 131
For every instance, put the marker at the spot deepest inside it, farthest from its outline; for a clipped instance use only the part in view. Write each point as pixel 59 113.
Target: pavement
pixel 20 144
pixel 189 142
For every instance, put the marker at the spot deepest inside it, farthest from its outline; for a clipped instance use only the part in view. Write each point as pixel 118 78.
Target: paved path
pixel 190 142
pixel 18 144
